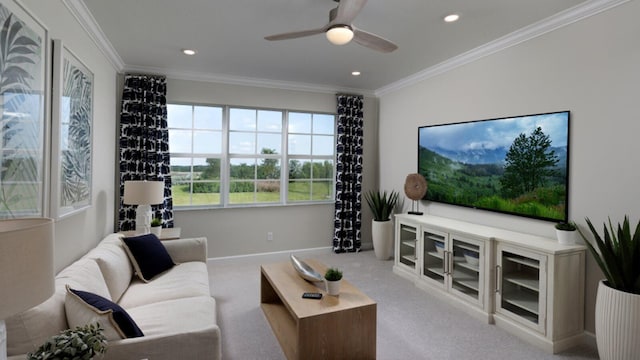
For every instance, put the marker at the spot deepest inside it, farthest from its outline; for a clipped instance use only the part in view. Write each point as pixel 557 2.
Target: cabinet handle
pixel 450 264
pixel 445 262
pixel 498 277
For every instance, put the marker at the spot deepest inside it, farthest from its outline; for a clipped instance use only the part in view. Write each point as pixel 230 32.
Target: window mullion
pixel 225 161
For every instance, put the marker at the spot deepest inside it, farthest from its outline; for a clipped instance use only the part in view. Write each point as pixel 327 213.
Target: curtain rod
pixel 143 74
pixel 345 94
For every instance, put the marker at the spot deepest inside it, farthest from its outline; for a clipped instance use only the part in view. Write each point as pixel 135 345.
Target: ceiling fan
pixel 340 31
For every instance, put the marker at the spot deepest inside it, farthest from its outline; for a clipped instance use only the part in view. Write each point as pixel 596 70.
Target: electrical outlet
pixel 269 236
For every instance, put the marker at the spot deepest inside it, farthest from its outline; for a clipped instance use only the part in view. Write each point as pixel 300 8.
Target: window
pixel 311 156
pixel 232 156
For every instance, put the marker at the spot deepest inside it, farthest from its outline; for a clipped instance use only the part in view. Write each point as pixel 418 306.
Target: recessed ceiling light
pixel 355 73
pixel 189 51
pixel 451 18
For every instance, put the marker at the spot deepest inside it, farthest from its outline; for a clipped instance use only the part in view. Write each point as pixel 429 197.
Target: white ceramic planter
pixel 617 324
pixel 333 287
pixel 566 237
pixel 156 230
pixel 382 235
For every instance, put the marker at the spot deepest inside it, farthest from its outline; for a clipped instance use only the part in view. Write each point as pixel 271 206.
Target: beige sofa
pixel 175 310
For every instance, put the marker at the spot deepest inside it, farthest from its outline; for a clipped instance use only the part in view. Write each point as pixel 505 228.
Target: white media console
pixel 528 285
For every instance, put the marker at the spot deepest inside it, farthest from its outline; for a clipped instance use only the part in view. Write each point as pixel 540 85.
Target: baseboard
pixel 366 246
pixel 589 340
pixel 269 257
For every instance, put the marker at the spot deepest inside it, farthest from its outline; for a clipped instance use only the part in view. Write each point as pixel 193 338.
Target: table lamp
pixel 26 268
pixel 144 194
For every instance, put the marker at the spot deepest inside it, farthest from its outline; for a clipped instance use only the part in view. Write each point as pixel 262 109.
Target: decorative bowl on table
pixel 439 247
pixel 305 271
pixel 471 257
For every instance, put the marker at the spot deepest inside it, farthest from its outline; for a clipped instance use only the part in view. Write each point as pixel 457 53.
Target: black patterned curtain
pixel 348 209
pixel 144 143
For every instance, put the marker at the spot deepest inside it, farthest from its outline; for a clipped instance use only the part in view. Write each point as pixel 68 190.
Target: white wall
pixel 591 67
pixel 80 232
pixel 238 231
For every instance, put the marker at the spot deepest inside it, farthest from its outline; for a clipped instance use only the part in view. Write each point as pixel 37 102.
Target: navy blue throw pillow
pixel 120 316
pixel 148 255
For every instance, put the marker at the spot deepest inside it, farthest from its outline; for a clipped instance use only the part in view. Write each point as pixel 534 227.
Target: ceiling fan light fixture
pixel 451 18
pixel 339 34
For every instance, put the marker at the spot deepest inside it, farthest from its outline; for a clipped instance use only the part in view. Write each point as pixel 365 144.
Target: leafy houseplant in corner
pixel 566 233
pixel 382 205
pixel 617 253
pixel 333 277
pixel 82 343
pixel 156 226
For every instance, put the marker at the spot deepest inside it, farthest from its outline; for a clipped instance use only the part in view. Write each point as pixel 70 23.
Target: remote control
pixel 315 296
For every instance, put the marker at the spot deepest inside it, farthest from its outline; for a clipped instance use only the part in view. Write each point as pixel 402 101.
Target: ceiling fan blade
pixel 373 41
pixel 348 10
pixel 295 34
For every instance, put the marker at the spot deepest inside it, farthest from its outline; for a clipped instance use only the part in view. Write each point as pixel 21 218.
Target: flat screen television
pixel 516 165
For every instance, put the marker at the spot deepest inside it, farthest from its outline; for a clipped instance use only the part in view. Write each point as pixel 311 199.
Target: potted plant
pixel 617 253
pixel 83 343
pixel 382 205
pixel 566 233
pixel 156 226
pixel 333 277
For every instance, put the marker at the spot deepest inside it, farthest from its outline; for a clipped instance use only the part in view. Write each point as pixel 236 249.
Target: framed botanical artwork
pixel 24 101
pixel 72 133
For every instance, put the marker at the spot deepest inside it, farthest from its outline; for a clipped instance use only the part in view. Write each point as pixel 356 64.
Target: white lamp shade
pixel 141 192
pixel 26 264
pixel 339 35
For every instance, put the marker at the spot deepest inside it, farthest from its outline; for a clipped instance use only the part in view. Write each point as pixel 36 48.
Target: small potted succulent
pixel 156 226
pixel 333 277
pixel 566 233
pixel 83 343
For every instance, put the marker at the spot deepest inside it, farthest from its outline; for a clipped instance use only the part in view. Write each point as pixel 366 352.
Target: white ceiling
pixel 148 35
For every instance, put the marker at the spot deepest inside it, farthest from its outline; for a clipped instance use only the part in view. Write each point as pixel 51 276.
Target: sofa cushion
pixel 115 266
pixel 176 316
pixel 85 274
pixel 175 329
pixel 148 256
pixel 183 280
pixel 83 307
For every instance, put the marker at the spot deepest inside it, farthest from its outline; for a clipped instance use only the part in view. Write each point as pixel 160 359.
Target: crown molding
pixel 79 10
pixel 245 81
pixel 559 20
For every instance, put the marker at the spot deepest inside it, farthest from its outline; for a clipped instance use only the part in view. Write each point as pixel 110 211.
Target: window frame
pixel 283 157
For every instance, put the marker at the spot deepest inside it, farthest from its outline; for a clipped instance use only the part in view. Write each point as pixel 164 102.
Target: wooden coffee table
pixel 335 327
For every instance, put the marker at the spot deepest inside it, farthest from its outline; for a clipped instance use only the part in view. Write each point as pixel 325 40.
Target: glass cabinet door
pixel 521 289
pixel 434 256
pixel 407 246
pixel 467 268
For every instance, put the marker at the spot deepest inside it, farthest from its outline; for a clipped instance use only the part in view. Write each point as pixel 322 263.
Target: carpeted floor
pixel 412 324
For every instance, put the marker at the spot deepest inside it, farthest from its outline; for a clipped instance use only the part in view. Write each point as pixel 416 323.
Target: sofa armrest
pixel 199 344
pixel 185 250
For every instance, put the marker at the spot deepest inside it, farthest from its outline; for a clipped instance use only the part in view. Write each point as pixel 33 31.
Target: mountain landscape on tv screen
pixel 526 175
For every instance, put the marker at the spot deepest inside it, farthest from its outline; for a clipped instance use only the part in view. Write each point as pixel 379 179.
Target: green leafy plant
pixel 381 204
pixel 82 343
pixel 617 253
pixel 333 274
pixel 156 222
pixel 568 226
